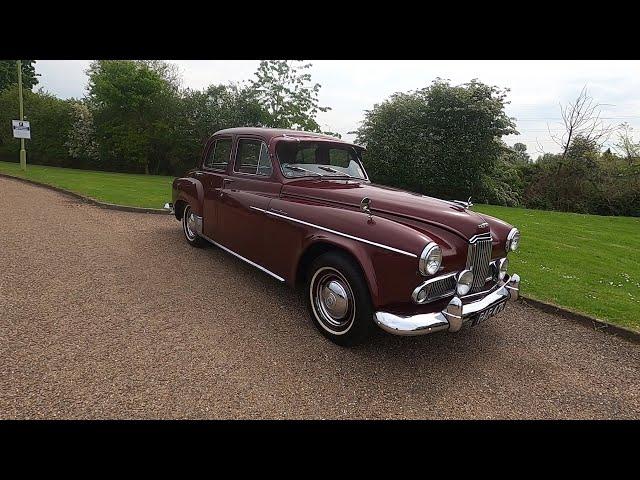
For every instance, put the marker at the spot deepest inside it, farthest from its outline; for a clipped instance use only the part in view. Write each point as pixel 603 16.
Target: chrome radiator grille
pixel 478 260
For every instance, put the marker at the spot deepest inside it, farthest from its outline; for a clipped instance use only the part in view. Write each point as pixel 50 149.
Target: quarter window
pixel 253 157
pixel 219 154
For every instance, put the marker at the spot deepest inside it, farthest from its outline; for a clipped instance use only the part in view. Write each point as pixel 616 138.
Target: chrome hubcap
pixel 333 300
pixel 189 221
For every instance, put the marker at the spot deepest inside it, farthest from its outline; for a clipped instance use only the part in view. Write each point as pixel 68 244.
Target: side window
pixel 253 157
pixel 219 154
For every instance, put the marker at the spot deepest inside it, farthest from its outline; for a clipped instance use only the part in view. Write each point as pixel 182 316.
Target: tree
pixel 288 95
pixel 626 146
pixel 441 140
pixel 9 74
pixel 581 118
pixel 132 102
pixel 520 154
pixel 50 119
pixel 201 113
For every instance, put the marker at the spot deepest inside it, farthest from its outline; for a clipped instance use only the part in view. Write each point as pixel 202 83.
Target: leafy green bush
pixel 441 140
pixel 50 120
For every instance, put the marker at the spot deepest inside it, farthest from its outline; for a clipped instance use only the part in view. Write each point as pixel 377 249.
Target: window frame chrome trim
pixel 346 235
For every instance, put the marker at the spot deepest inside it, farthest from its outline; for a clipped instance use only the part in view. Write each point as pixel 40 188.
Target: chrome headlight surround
pixel 513 240
pixel 463 282
pixel 430 259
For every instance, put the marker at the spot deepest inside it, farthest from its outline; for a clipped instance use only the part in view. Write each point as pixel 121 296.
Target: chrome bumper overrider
pixel 452 318
pixel 169 207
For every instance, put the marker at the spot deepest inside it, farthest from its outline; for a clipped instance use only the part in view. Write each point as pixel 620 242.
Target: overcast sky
pixel 350 87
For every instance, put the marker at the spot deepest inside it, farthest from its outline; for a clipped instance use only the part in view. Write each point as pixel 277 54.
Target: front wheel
pixel 189 228
pixel 338 299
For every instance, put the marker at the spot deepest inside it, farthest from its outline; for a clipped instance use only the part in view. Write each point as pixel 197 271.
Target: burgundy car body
pixel 279 224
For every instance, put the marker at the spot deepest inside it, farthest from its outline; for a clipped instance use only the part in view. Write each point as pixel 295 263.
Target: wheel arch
pixel 320 246
pixel 187 191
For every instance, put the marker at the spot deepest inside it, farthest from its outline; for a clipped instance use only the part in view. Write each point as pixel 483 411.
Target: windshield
pixel 319 159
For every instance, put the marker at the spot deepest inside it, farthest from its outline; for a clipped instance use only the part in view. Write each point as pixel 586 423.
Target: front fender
pixel 386 250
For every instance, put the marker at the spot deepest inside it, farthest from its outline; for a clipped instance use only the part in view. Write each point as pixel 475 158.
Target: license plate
pixel 489 312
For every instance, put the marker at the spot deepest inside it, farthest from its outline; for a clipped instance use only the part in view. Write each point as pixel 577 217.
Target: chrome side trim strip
pixel 269 272
pixel 386 247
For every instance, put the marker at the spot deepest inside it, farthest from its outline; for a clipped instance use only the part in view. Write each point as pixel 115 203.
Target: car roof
pixel 270 133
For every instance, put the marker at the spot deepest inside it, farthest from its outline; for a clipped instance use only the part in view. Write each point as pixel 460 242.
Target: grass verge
pixel 148 191
pixel 587 263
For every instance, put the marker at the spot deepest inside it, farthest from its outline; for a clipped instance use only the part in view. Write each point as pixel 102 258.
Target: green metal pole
pixel 23 152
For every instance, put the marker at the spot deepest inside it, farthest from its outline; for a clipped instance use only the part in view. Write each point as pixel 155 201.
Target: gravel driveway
pixel 107 314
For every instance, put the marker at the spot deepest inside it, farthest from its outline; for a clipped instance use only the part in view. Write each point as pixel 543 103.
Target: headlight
pixel 465 279
pixel 513 240
pixel 430 259
pixel 503 265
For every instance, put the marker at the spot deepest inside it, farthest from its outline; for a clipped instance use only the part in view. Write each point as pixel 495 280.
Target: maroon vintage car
pixel 300 207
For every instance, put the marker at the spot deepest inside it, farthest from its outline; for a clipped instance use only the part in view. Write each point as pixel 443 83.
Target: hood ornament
pixel 462 204
pixel 365 206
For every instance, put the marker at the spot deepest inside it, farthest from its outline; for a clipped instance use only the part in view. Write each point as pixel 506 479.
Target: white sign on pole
pixel 21 129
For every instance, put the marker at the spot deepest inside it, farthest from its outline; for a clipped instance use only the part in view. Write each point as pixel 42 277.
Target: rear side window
pixel 219 154
pixel 253 158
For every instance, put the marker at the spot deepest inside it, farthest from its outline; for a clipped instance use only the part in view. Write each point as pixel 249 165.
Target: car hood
pixel 389 201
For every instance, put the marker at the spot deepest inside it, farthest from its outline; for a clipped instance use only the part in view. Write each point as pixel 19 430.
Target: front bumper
pixel 457 313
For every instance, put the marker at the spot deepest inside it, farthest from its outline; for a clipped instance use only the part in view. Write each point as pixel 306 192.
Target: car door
pixel 246 193
pixel 214 170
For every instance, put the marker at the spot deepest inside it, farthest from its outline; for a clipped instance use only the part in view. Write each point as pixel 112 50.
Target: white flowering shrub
pixel 81 140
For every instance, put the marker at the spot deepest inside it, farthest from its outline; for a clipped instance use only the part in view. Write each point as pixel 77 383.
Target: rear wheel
pixel 338 299
pixel 189 228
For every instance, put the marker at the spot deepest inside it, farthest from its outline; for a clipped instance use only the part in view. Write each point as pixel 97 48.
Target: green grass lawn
pixel 587 263
pixel 150 191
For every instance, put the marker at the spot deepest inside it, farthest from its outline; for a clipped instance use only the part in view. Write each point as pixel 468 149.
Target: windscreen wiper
pixel 340 174
pixel 295 168
pixel 329 169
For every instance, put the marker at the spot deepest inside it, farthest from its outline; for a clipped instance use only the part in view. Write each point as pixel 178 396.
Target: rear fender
pixel 188 190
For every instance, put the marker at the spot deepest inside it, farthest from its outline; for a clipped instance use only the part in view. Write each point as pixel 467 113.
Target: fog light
pixel 503 265
pixel 465 279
